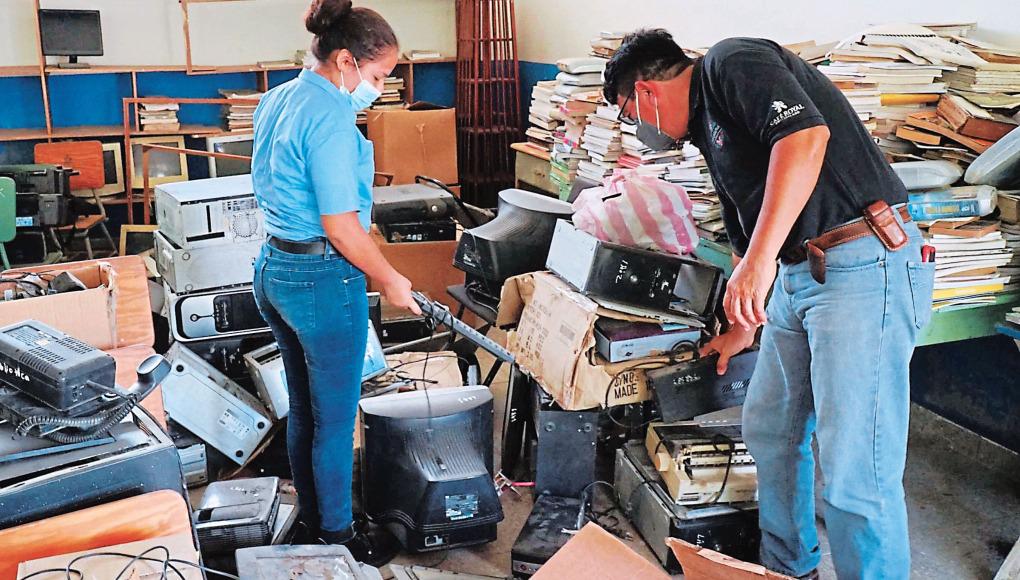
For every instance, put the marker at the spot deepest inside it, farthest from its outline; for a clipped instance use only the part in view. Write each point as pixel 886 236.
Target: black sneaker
pixel 370 544
pixel 304 534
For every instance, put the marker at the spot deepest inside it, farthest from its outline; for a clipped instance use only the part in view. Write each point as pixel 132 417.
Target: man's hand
pixel 746 291
pixel 397 291
pixel 728 344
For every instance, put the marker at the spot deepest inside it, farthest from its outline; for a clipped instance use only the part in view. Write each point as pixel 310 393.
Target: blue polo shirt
pixel 309 159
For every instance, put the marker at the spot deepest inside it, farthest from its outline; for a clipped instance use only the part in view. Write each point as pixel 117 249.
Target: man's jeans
pixel 834 362
pixel 317 307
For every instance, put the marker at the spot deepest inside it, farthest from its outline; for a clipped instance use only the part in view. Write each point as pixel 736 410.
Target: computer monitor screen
pixel 70 33
pixel 228 167
pixel 164 166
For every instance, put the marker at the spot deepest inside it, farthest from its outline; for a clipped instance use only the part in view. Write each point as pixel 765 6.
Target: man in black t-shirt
pixel 791 161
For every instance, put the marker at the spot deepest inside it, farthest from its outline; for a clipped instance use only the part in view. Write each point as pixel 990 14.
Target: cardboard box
pixel 1009 206
pixel 595 554
pixel 554 342
pixel 419 140
pixel 703 564
pixel 180 546
pixel 428 265
pixel 88 315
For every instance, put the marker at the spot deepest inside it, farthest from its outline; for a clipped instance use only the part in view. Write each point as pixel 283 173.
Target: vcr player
pixel 313 170
pixel 795 170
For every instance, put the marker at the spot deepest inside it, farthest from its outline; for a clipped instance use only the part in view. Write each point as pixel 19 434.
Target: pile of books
pixel 543 115
pixel 391 97
pixel 1011 233
pixel 637 156
pixel 159 117
pixel 602 139
pixel 606 44
pixel 968 255
pixel 239 117
pixel 415 55
pixel 692 173
pixel 567 153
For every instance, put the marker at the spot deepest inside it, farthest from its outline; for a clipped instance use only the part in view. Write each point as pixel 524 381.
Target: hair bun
pixel 324 15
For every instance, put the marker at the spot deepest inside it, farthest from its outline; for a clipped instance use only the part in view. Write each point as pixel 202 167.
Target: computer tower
pixel 226 313
pixel 427 467
pixel 205 267
pixel 209 212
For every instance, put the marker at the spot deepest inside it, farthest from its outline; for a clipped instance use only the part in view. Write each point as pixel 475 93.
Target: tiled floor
pixel 964 517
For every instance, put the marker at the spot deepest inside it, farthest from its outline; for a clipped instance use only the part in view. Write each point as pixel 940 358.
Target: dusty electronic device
pixel 225 313
pixel 209 212
pixel 439 230
pixel 205 267
pixel 544 533
pixel 39 178
pixel 731 529
pixel 237 513
pixel 621 340
pixel 689 389
pixel 441 443
pixel 42 209
pixel 641 278
pixel 412 202
pixel 195 465
pixel 703 464
pixel 216 409
pixel 301 563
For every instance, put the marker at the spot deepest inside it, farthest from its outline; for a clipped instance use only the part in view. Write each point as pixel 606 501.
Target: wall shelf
pixel 39 133
pixel 19 71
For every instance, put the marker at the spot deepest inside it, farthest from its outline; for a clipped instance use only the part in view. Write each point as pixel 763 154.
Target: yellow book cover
pixel 893 99
pixel 947 293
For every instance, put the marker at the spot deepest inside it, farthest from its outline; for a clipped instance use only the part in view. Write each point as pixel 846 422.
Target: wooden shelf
pixel 441 59
pixel 112 69
pixel 19 71
pixel 22 134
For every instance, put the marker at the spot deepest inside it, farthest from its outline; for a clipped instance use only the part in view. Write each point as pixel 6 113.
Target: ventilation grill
pixel 40 359
pixel 76 346
pixel 28 335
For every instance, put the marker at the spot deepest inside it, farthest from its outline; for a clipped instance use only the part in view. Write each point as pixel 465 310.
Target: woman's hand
pixel 397 291
pixel 728 344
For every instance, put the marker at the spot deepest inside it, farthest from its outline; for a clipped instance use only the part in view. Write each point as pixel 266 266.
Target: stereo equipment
pixel 621 341
pixel 214 314
pixel 216 409
pixel 239 513
pixel 728 528
pixel 209 212
pixel 205 267
pixel 703 464
pixel 52 367
pixel 413 202
pixel 676 285
pixel 516 242
pixel 301 562
pixel 39 178
pixel 142 458
pixel 440 230
pixel 544 533
pixel 439 443
pixel 689 389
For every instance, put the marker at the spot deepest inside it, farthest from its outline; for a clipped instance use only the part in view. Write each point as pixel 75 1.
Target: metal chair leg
pixel 109 240
pixel 88 246
pixel 3 256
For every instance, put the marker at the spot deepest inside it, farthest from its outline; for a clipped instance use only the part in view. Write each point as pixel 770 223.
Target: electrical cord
pixel 168 564
pixel 674 358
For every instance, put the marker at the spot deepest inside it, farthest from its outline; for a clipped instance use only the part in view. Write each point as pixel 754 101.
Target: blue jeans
pixel 317 307
pixel 834 362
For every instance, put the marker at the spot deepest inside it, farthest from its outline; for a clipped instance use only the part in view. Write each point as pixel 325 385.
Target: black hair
pixel 336 25
pixel 647 54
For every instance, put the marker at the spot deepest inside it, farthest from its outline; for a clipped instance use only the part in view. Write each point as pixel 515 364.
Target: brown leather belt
pixel 814 249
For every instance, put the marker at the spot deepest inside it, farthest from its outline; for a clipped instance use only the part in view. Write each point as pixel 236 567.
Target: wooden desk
pixel 532 168
pixel 963 323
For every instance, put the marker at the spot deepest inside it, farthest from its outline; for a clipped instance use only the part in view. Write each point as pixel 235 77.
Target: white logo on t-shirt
pixel 778 106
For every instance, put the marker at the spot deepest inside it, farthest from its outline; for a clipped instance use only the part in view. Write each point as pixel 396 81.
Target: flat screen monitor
pixel 164 166
pixel 71 33
pixel 231 145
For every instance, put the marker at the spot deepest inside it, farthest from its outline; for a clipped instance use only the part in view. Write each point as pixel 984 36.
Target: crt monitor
pixel 164 166
pixel 70 33
pixel 232 145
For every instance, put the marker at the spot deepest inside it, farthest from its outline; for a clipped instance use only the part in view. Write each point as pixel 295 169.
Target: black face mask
pixel 651 135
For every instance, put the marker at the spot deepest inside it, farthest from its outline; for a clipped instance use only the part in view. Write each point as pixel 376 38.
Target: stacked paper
pixel 602 140
pixel 391 97
pixel 159 118
pixel 239 117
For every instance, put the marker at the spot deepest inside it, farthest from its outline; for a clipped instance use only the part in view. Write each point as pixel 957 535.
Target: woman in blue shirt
pixel 313 172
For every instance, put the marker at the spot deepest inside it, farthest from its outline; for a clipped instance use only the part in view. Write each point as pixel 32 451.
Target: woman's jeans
pixel 317 308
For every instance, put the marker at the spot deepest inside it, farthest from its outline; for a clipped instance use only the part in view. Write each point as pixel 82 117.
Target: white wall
pixel 151 31
pixel 552 29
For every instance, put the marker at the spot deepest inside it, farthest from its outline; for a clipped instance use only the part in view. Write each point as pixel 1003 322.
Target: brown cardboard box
pixel 180 546
pixel 554 342
pixel 87 315
pixel 1009 206
pixel 419 140
pixel 703 564
pixel 428 265
pixel 595 554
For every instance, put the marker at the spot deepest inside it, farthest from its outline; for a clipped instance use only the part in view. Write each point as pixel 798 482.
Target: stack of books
pixel 567 153
pixel 391 97
pixel 602 140
pixel 543 115
pixel 606 44
pixel 692 173
pixel 159 118
pixel 637 156
pixel 414 55
pixel 1011 233
pixel 239 117
pixel 968 255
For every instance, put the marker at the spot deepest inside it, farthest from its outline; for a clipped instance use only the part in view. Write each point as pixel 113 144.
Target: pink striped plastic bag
pixel 638 211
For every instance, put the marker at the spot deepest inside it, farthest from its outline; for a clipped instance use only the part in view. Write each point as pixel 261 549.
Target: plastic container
pixel 999 165
pixel 927 174
pixel 954 202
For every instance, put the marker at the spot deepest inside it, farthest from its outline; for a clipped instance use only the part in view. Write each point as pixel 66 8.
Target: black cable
pixel 729 462
pixel 52 571
pixel 142 555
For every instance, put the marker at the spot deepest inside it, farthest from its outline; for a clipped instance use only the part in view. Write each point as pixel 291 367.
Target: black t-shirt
pixel 747 94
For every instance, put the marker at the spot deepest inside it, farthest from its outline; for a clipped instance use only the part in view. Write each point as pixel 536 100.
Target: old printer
pixel 43 194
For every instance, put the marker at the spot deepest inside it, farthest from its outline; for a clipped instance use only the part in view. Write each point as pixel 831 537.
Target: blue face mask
pixel 364 94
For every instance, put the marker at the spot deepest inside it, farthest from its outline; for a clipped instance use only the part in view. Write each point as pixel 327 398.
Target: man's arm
pixel 794 165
